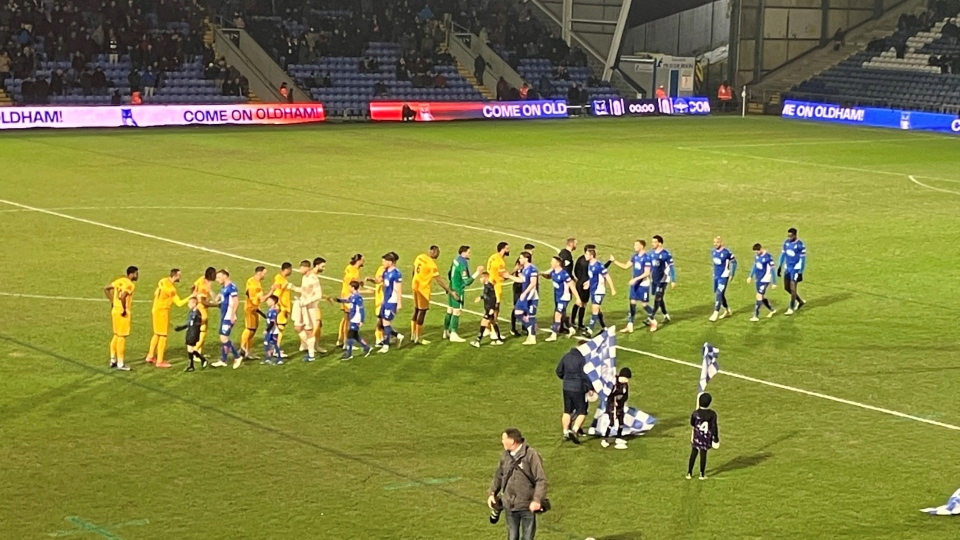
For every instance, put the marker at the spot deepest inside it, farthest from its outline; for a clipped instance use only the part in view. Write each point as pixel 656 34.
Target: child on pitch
pixel 706 435
pixel 489 297
pixel 271 347
pixel 194 322
pixel 616 407
pixel 355 316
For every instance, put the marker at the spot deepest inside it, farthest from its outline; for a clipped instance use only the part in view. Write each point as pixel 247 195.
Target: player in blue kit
pixel 598 279
pixel 724 268
pixel 641 264
pixel 392 297
pixel 563 292
pixel 526 306
pixel 765 278
pixel 271 349
pixel 355 316
pixel 229 301
pixel 663 274
pixel 794 257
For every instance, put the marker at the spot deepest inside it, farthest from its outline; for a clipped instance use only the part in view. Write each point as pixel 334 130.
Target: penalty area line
pixel 627 349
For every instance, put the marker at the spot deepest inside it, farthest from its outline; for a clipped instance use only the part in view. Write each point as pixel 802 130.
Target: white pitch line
pixel 64 298
pixel 921 184
pixel 793 143
pixel 628 349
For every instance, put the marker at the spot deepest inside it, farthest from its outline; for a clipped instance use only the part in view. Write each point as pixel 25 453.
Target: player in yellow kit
pixel 164 297
pixel 281 289
pixel 497 268
pixel 350 274
pixel 425 272
pixel 253 297
pixel 377 280
pixel 201 290
pixel 120 294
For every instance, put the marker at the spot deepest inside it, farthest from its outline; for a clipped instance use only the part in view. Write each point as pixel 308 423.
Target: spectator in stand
pixel 725 96
pixel 78 62
pixel 573 95
pixel 113 48
pixel 661 93
pixel 403 73
pixel 86 83
pixel 133 79
pixel 285 93
pixel 502 89
pixel 41 90
pixel 439 81
pixel 244 84
pixel 562 73
pixel 4 67
pixel 26 90
pixel 327 82
pixel 479 66
pixel 379 89
pixel 99 82
pixel 210 73
pixel 545 87
pixel 524 91
pixel 116 99
pixel 149 82
pixel 56 83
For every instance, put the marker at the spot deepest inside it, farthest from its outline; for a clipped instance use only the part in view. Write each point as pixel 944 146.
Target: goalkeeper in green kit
pixel 460 278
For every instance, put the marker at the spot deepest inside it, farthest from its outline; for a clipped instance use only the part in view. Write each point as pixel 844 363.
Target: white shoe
pixel 384 350
pixel 531 340
pixel 620 441
pixel 455 338
pixel 219 363
pixel 604 443
pixel 715 316
pixel 754 319
pixel 445 334
pixel 571 332
pixel 771 313
pixel 497 342
pixel 789 312
pixel 689 477
pixel 628 329
pixel 421 341
pixel 726 313
pixel 338 345
pixel 703 477
pixel 475 343
pixel 237 362
pixel 653 325
pixel 551 337
pixel 619 446
pixel 666 318
pixel 399 340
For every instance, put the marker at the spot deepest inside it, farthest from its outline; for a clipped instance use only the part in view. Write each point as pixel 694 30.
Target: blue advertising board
pixel 871 116
pixel 647 107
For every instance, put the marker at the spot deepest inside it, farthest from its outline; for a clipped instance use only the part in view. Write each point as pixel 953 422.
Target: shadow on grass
pixel 666 425
pixel 752 460
pixel 635 535
pixel 825 301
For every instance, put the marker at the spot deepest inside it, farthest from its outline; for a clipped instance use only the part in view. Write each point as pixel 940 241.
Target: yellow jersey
pixel 424 270
pixel 282 292
pixel 201 287
pixel 254 292
pixel 122 285
pixel 378 289
pixel 496 266
pixel 350 273
pixel 166 295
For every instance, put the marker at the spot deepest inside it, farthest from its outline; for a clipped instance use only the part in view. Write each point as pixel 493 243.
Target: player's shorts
pixel 304 317
pixel 454 303
pixel 282 317
pixel 121 324
pixel 490 310
pixel 421 300
pixel 527 307
pixel 560 306
pixel 161 322
pixel 354 327
pixel 762 287
pixel 720 285
pixel 387 312
pixel 251 319
pixel 574 403
pixel 225 328
pixel 661 288
pixel 640 293
pixel 795 277
pixel 597 299
pixel 584 294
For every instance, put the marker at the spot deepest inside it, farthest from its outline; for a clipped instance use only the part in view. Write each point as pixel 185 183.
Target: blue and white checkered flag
pixel 710 367
pixel 635 422
pixel 952 508
pixel 600 354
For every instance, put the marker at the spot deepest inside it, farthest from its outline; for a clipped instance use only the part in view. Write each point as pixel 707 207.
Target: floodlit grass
pixel 403 445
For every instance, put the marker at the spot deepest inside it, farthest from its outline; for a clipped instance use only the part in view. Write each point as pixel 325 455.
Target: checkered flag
pixel 710 367
pixel 952 508
pixel 635 422
pixel 600 354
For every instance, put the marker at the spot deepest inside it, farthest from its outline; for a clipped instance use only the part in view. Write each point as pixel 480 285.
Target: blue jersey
pixel 529 273
pixel 794 255
pixel 357 312
pixel 724 263
pixel 561 289
pixel 595 274
pixel 641 262
pixel 662 266
pixel 763 269
pixel 272 329
pixel 227 292
pixel 391 293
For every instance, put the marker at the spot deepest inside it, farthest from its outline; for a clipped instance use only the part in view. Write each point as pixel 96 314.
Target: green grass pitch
pixel 403 445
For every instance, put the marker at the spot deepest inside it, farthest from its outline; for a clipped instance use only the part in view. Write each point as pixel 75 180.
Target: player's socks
pixel 555 327
pixel 152 351
pixel 723 297
pixel 603 323
pixel 454 323
pixel 311 347
pixel 633 313
pixel 121 349
pixel 766 303
pixel 245 339
pixel 496 329
pixel 718 303
pixel 756 309
pixel 387 332
pixel 593 321
pixel 650 311
pixel 447 320
pixel 663 309
pixel 113 349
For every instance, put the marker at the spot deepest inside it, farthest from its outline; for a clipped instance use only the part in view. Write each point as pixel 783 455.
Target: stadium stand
pixel 918 67
pixel 92 53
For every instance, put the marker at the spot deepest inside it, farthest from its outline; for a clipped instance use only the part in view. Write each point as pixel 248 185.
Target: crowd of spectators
pixel 910 23
pixel 77 31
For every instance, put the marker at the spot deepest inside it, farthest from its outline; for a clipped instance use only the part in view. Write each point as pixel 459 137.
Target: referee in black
pixel 580 276
pixel 518 290
pixel 566 261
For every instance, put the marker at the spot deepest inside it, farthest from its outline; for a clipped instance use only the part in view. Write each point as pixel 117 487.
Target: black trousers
pixel 693 461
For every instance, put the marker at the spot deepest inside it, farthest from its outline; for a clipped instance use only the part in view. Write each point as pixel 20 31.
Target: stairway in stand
pixel 253 97
pixel 468 75
pixel 5 100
